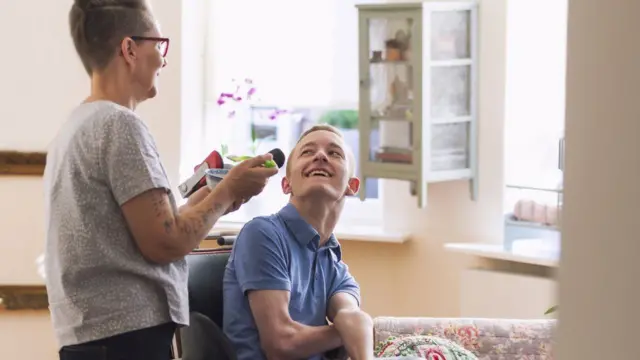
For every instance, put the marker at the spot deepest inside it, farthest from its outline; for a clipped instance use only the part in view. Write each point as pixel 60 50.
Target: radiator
pixel 494 294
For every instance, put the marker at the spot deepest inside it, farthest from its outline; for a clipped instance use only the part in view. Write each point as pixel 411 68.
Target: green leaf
pixel 551 310
pixel 342 119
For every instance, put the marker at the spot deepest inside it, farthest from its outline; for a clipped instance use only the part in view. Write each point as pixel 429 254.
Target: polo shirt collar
pixel 304 233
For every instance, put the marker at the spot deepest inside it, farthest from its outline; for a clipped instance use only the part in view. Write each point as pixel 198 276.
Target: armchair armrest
pixel 486 338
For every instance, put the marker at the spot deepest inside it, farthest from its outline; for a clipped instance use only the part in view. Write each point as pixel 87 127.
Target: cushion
pixel 423 346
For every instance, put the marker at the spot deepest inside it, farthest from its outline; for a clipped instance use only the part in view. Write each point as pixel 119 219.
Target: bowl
pixel 214 176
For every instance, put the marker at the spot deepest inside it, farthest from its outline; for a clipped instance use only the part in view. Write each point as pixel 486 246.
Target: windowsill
pixel 343 233
pixel 528 251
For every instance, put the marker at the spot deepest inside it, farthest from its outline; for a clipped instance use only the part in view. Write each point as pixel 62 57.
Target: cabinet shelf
pixel 453 62
pixel 385 118
pixel 390 62
pixel 451 120
pixel 418 91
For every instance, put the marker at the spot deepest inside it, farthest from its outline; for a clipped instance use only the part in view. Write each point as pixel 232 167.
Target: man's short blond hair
pixel 351 159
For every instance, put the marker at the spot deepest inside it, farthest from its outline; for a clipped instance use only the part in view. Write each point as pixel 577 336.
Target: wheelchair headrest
pixel 206 272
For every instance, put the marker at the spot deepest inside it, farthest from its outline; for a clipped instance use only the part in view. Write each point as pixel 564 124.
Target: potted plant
pixel 238 102
pixel 241 98
pixel 551 310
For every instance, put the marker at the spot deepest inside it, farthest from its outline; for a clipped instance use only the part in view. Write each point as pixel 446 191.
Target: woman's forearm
pixel 192 222
pixel 195 198
pixel 195 222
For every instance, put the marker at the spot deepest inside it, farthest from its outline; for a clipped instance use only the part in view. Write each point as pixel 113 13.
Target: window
pixel 535 100
pixel 300 56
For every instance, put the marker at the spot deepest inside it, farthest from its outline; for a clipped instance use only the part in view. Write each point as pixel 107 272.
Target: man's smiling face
pixel 320 165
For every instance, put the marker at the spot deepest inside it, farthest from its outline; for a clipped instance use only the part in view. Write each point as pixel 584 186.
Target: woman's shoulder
pixel 110 118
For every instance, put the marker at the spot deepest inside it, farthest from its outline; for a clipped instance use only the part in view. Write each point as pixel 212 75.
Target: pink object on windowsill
pixel 532 211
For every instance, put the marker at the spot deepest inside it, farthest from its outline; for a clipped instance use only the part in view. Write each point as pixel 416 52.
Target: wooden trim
pixel 22 163
pixel 16 297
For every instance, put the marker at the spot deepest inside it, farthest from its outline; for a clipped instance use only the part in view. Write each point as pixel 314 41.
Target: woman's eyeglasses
pixel 163 43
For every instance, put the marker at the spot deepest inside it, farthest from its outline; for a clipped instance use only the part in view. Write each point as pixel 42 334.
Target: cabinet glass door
pixel 391 87
pixel 451 109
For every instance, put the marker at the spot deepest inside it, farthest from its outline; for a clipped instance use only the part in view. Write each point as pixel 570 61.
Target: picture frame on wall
pixel 22 163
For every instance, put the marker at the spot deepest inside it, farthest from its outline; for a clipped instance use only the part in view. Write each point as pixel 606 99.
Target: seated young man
pixel 286 277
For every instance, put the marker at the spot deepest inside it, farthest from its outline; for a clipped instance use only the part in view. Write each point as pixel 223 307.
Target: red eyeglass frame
pixel 158 39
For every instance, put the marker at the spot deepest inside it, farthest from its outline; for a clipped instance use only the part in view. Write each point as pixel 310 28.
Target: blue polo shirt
pixel 281 252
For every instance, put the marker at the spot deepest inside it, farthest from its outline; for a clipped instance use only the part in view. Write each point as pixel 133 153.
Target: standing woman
pixel 115 269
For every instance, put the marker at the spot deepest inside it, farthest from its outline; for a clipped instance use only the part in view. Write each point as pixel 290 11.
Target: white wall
pixel 599 288
pixel 41 81
pixel 40 85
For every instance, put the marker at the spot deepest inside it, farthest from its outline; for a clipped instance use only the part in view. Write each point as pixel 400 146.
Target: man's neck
pixel 321 214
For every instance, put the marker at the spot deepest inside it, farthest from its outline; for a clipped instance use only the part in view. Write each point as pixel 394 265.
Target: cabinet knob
pixel 364 82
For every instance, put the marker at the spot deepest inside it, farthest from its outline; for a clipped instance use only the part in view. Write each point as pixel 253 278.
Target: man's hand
pixel 248 178
pixel 354 325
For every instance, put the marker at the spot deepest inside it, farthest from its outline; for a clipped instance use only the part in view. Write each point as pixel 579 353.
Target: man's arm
pixel 281 338
pixel 261 268
pixel 354 325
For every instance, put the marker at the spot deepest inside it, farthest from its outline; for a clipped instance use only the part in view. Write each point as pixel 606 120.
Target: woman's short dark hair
pixel 98 27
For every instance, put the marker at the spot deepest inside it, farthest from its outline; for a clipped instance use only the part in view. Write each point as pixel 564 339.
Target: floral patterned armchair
pixel 488 339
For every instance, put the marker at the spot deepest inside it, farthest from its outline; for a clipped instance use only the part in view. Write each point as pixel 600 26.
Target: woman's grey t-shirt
pixel 98 282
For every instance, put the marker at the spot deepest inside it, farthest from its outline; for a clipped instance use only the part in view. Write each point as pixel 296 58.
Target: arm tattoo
pixel 168 227
pixel 159 205
pixel 160 209
pixel 191 224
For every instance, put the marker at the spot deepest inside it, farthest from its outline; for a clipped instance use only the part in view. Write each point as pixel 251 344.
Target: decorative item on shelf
pixel 400 107
pixel 392 48
pixel 399 91
pixel 241 98
pixel 394 155
pixel 377 57
pixel 404 41
pixel 398 48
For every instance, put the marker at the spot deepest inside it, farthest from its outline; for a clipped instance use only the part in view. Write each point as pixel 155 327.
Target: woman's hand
pixel 248 178
pixel 243 181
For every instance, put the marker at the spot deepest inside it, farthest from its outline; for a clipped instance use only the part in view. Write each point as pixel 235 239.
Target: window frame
pixel 355 212
pixel 217 129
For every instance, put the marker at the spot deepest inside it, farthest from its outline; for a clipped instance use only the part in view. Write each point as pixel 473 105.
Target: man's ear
pixel 353 185
pixel 286 186
pixel 129 49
